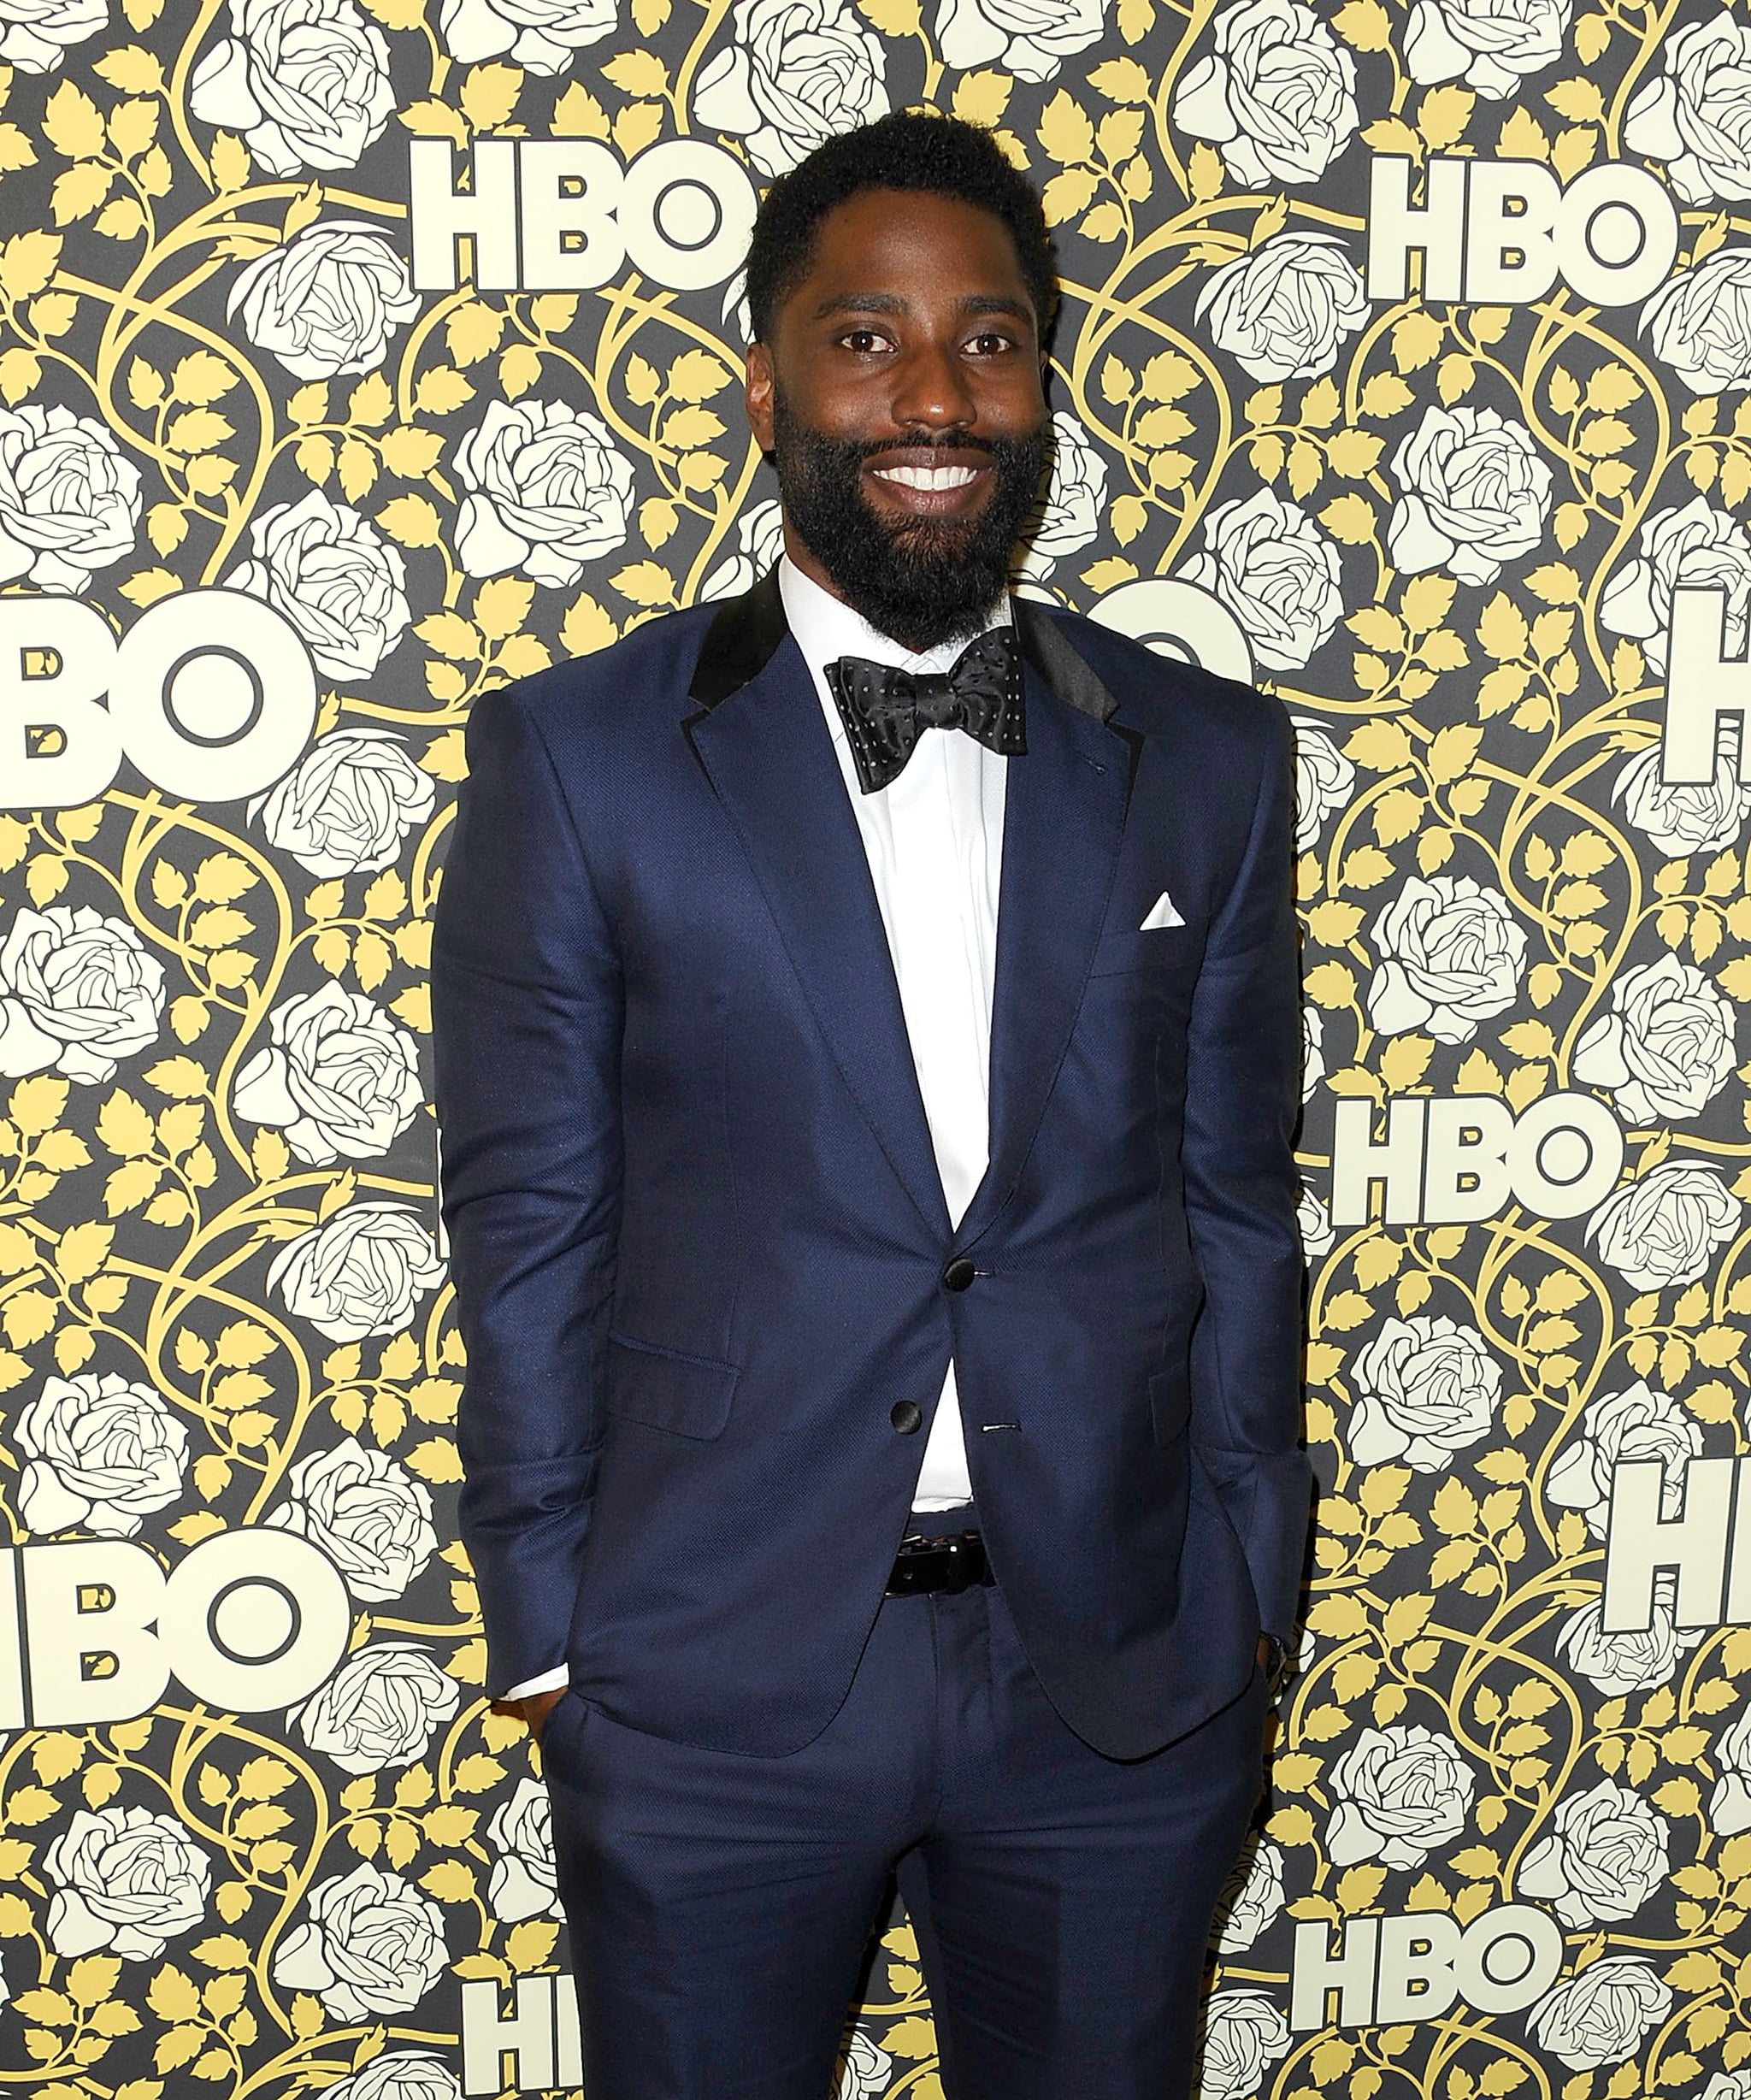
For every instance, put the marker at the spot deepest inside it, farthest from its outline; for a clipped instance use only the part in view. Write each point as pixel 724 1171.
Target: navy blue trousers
pixel 720 1906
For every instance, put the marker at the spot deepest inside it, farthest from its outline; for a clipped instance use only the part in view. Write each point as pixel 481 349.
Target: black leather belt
pixel 951 1564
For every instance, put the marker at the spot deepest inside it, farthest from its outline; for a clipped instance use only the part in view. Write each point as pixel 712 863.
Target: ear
pixel 757 388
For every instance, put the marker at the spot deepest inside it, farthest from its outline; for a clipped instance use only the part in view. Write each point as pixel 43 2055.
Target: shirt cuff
pixel 549 1680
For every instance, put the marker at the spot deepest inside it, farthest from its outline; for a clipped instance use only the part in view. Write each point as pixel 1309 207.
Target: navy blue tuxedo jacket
pixel 697 1233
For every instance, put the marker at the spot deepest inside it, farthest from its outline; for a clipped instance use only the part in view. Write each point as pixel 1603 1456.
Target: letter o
pixel 254 1618
pixel 1617 233
pixel 687 212
pixel 1181 621
pixel 1565 1154
pixel 214 694
pixel 1508 1957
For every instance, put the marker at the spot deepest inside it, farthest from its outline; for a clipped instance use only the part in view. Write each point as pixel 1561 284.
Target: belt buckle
pixel 957 1574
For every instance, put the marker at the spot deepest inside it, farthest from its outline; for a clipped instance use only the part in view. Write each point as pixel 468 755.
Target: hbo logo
pixel 1457 1159
pixel 1500 232
pixel 1391 1970
pixel 561 215
pixel 251 1619
pixel 210 691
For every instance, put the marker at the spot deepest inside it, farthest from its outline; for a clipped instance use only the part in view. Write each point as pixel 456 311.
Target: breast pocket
pixel 663 1388
pixel 1165 948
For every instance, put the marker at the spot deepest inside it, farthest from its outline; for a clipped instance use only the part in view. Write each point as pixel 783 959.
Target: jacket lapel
pixel 760 736
pixel 1063 812
pixel 766 751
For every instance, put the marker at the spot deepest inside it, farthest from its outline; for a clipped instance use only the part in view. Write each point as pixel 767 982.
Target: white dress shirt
pixel 933 840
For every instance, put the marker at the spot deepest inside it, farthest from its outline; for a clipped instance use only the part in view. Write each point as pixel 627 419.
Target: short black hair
pixel 908 150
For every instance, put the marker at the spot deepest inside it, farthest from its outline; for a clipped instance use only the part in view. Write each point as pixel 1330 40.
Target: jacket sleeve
pixel 526 1013
pixel 1243 1101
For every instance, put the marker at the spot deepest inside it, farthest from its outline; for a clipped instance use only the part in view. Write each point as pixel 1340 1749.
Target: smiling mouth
pixel 928 488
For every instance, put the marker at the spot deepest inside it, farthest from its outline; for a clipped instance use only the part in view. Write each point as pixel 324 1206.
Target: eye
pixel 994 338
pixel 862 339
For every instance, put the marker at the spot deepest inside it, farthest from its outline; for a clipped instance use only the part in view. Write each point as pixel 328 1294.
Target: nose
pixel 931 389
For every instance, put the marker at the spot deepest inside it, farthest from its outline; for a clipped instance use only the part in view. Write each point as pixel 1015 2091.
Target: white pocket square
pixel 1161 913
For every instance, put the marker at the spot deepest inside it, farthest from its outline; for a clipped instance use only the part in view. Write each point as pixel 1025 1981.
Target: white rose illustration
pixel 371 1945
pixel 1693 545
pixel 1603 2015
pixel 370 1516
pixel 1616 1663
pixel 1698 322
pixel 759 536
pixel 1728 2086
pixel 1325 779
pixel 101 1452
pixel 306 81
pixel 866 2070
pixel 36 37
pixel 1313 1049
pixel 1637 1423
pixel 1275 570
pixel 1029 39
pixel 793 73
pixel 325 302
pixel 1604 1858
pixel 361 1273
pixel 1492 43
pixel 1283 310
pixel 124 1879
pixel 399 2074
pixel 1401 1792
pixel 1678 818
pixel 1242 2033
pixel 1665 1049
pixel 380 1709
pixel 1075 506
pixel 549 491
pixel 1730 1803
pixel 1697 115
pixel 523 1882
pixel 1665 1227
pixel 335 576
pixel 348 803
pixel 338 1077
pixel 69 499
pixel 1277 94
pixel 1253 1898
pixel 77 992
pixel 1318 1234
pixel 1475 493
pixel 1426 1387
pixel 544 35
pixel 1450 955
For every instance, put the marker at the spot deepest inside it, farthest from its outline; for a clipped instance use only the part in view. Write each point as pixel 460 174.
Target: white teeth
pixel 930 477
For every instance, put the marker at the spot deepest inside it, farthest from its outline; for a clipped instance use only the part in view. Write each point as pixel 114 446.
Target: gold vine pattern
pixel 1447 534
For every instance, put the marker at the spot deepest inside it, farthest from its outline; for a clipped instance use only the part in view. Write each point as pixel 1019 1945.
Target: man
pixel 866 1106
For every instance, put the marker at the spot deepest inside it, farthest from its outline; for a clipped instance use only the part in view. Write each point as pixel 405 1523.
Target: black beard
pixel 921 581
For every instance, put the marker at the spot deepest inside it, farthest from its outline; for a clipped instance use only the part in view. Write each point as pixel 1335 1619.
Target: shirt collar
pixel 825 627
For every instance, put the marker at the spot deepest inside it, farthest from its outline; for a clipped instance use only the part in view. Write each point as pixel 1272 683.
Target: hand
pixel 533 1710
pixel 1264 1652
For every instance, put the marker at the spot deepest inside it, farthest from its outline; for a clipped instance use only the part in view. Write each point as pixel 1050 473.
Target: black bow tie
pixel 886 709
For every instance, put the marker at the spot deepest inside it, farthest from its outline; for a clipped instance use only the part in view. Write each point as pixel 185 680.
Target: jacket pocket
pixel 1163 948
pixel 1169 1403
pixel 664 1388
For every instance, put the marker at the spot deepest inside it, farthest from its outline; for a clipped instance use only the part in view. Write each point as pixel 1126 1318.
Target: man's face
pixel 901 396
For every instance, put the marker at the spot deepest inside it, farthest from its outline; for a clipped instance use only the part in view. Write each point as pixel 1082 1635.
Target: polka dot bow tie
pixel 886 709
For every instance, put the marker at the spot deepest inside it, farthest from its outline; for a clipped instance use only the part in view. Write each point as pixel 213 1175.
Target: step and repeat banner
pixel 358 356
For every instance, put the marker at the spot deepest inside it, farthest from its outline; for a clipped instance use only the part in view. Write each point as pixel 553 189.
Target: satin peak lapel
pixel 765 746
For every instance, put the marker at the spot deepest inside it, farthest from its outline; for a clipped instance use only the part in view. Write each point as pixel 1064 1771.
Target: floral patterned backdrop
pixel 280 492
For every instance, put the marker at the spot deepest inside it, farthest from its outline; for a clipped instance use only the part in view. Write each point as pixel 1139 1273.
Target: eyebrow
pixel 891 303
